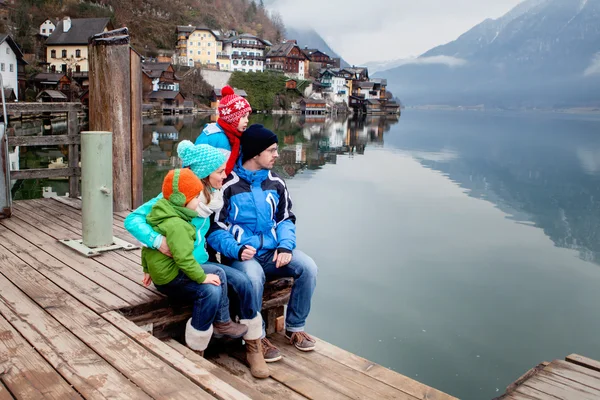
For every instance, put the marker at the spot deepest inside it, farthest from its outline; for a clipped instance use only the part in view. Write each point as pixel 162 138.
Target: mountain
pixel 376 66
pixel 310 38
pixel 543 53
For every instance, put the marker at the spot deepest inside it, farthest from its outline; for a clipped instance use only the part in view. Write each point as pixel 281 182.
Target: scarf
pixel 233 135
pixel 216 202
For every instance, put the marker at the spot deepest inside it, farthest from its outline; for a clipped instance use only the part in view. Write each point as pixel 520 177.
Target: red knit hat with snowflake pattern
pixel 232 107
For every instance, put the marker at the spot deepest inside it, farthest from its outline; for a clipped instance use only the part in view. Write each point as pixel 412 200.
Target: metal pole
pixel 5 194
pixel 96 188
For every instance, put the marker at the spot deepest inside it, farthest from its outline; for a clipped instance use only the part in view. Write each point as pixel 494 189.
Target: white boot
pixel 195 339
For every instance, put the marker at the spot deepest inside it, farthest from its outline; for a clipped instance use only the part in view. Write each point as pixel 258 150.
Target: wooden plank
pixel 137 142
pixel 238 376
pixel 26 374
pixel 73 129
pixel 75 203
pixel 516 396
pixel 584 362
pixel 24 107
pixel 555 389
pixel 574 372
pixel 534 393
pixel 89 373
pixel 115 283
pixel 339 377
pixel 394 379
pixel 4 393
pixel 51 140
pixel 42 173
pixel 88 292
pixel 153 376
pixel 564 385
pixel 197 372
pixel 110 109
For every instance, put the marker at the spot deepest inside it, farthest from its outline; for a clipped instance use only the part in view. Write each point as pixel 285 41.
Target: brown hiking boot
pixel 301 340
pixel 229 329
pixel 254 355
pixel 270 352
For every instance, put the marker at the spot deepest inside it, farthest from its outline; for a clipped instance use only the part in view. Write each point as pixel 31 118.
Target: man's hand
pixel 248 253
pixel 147 280
pixel 212 279
pixel 281 259
pixel 164 248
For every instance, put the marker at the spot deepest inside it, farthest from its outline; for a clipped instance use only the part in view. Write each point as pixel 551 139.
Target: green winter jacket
pixel 173 223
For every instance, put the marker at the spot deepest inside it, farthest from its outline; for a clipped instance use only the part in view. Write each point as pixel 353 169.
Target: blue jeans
pixel 210 302
pixel 304 271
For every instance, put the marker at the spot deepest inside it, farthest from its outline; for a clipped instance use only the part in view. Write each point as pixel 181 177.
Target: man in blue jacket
pixel 256 231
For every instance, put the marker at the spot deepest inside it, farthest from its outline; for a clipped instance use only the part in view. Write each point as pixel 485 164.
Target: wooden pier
pixel 576 378
pixel 63 334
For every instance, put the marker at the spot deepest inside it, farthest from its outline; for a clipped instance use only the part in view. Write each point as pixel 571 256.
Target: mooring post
pixel 110 105
pixel 96 188
pixel 137 147
pixel 5 194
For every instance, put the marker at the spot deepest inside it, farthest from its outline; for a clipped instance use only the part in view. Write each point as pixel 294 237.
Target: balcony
pixel 222 56
pixel 246 57
pixel 248 46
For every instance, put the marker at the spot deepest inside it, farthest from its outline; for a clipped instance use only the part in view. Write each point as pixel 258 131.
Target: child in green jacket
pixel 180 277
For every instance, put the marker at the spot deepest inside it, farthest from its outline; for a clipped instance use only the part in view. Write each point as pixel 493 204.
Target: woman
pixel 208 164
pixel 225 134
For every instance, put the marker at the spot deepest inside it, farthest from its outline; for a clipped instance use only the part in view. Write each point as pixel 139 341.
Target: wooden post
pixel 73 132
pixel 137 145
pixel 110 105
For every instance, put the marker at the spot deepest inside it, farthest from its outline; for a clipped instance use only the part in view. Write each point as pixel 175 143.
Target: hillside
pixel 152 22
pixel 543 53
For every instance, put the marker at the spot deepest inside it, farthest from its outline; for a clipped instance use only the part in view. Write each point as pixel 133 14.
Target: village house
pixel 289 59
pixel 51 96
pixel 159 76
pixel 52 80
pixel 334 85
pixel 11 62
pixel 47 27
pixel 243 53
pixel 321 58
pixel 67 46
pixel 198 45
pixel 313 106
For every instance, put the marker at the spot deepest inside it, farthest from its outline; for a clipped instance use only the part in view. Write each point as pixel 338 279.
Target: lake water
pixel 457 248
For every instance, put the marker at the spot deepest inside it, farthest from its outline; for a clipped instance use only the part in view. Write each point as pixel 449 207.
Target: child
pixel 181 277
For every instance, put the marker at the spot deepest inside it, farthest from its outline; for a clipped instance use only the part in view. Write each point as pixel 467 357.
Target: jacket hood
pixel 163 210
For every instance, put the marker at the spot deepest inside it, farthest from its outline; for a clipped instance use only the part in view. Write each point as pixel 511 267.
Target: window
pixel 250 62
pixel 64 54
pixel 199 52
pixel 7 50
pixel 208 44
pixel 11 68
pixel 43 30
pixel 191 43
pixel 63 68
pixel 235 62
pixel 78 53
pixel 77 68
pixel 209 53
pixel 2 67
pixel 53 68
pixel 50 30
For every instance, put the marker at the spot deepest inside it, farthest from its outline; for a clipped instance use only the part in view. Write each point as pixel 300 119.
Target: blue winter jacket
pixel 257 211
pixel 214 135
pixel 136 224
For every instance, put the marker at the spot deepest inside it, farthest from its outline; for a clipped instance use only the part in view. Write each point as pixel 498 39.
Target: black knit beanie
pixel 255 139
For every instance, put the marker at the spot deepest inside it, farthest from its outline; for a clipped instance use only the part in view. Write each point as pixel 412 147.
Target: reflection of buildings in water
pixel 160 143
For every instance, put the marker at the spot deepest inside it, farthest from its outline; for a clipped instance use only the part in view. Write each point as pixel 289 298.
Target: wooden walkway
pixel 576 378
pixel 62 335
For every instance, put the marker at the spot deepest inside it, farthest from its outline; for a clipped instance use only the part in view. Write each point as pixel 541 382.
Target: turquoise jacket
pixel 214 135
pixel 136 224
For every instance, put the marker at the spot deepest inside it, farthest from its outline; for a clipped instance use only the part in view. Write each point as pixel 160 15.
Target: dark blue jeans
pixel 210 302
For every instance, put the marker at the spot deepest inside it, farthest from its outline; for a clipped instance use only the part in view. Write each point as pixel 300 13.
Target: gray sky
pixel 377 30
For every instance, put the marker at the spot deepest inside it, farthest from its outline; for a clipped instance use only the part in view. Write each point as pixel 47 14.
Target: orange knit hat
pixel 181 186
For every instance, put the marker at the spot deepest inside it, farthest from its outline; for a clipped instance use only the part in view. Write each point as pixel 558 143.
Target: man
pixel 256 230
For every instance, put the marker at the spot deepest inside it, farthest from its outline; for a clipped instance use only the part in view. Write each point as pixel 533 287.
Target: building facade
pixel 289 59
pixel 67 46
pixel 10 60
pixel 47 27
pixel 198 45
pixel 243 53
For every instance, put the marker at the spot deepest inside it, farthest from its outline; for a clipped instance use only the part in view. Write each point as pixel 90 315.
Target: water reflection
pixel 543 170
pixel 305 143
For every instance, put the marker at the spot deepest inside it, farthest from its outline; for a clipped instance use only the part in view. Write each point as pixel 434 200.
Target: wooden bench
pixel 164 320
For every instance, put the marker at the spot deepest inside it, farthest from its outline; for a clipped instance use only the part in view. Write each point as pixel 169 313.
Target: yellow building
pixel 198 45
pixel 67 46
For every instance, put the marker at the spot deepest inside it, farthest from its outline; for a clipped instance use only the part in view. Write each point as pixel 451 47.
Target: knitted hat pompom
pixel 227 91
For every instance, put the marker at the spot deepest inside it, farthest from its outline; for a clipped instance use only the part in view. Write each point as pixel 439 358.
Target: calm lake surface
pixel 457 248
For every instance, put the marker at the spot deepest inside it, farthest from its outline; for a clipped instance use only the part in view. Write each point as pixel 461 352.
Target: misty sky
pixel 376 30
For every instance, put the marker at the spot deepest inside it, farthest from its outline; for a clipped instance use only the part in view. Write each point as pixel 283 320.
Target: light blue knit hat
pixel 202 159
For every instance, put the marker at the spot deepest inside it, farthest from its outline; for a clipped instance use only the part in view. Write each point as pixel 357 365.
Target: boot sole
pixel 305 348
pixel 270 360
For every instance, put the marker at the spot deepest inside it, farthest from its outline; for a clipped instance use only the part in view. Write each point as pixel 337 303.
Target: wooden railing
pixel 72 139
